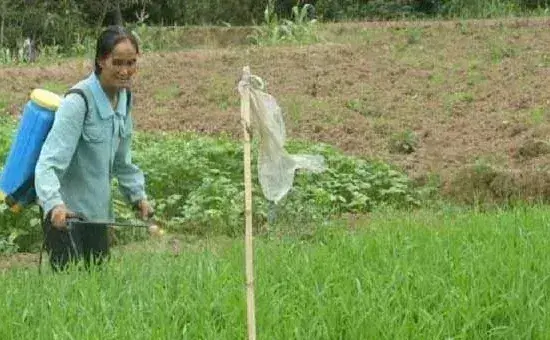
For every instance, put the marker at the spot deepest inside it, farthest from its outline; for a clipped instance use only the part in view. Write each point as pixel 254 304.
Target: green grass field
pixel 426 275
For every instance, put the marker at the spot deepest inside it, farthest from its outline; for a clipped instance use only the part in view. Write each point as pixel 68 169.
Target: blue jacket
pixel 81 155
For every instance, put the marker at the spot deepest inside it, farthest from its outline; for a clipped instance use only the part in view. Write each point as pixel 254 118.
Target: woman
pixel 88 145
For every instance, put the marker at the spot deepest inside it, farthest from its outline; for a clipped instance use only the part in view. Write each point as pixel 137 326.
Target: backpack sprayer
pixel 17 178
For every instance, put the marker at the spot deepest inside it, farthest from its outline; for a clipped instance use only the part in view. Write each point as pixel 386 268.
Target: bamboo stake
pixel 2 23
pixel 245 117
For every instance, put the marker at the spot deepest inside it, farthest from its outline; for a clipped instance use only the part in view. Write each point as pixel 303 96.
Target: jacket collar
pixel 102 101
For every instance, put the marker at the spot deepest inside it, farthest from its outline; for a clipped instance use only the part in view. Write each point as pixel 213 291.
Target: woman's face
pixel 118 68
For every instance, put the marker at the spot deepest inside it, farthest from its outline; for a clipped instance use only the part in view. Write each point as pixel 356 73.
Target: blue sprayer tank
pixel 17 179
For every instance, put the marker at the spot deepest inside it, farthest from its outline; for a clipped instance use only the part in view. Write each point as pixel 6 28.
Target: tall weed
pixel 299 29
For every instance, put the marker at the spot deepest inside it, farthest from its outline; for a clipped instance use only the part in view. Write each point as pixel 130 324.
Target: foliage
pixel 196 186
pixel 481 9
pixel 202 188
pixel 404 142
pixel 299 29
pixel 68 27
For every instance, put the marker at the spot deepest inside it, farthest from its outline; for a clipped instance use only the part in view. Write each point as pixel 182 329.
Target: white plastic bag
pixel 276 168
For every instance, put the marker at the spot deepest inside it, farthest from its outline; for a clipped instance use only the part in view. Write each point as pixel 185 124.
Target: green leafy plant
pixel 299 29
pixel 404 142
pixel 201 190
pixel 196 186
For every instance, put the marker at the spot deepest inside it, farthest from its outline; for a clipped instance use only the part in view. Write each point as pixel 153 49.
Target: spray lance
pixel 72 222
pixel 80 219
pixel 152 228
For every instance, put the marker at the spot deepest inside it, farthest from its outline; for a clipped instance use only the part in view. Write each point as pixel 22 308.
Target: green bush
pixel 196 186
pixel 201 189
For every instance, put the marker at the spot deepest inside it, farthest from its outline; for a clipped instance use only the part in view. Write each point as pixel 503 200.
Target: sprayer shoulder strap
pixel 83 95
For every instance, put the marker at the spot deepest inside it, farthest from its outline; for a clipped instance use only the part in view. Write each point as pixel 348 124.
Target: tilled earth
pixel 430 97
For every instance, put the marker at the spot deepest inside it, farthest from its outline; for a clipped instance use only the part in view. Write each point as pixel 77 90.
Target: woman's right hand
pixel 59 216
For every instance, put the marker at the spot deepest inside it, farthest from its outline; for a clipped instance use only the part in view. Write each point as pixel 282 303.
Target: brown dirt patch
pixel 20 260
pixel 465 90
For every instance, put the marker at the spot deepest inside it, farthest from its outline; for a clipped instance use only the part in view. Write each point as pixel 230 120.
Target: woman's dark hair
pixel 107 41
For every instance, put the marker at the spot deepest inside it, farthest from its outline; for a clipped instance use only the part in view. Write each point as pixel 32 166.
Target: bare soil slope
pixel 456 93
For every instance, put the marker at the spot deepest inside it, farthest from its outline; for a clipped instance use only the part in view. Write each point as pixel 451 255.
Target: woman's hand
pixel 145 210
pixel 59 216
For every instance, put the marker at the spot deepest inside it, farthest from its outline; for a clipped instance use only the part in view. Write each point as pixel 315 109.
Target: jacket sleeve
pixel 58 149
pixel 130 178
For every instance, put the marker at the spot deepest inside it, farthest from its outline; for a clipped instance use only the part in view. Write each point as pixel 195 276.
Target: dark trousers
pixel 82 242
